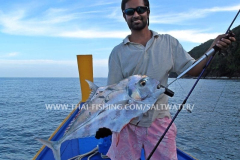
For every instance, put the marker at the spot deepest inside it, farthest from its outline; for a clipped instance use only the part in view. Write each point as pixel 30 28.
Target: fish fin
pixel 118 138
pixel 54 146
pixel 93 87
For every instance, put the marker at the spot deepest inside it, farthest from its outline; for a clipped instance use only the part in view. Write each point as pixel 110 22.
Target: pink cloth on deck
pixel 133 138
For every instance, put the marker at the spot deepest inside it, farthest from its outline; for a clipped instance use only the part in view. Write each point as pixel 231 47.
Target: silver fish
pixel 112 107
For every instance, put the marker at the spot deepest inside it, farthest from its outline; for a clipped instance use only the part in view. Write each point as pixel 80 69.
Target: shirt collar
pixel 126 40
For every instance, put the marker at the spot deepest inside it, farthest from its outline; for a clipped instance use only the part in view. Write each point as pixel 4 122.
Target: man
pixel 148 53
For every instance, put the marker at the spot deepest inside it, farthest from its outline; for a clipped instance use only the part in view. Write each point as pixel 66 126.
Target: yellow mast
pixel 85 69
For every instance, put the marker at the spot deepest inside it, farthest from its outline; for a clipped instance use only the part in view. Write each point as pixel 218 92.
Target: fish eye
pixel 142 83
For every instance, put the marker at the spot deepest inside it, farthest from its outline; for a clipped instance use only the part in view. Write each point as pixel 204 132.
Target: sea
pixel 208 127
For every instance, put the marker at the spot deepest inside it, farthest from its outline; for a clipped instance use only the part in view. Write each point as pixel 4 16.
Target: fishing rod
pixel 207 54
pixel 211 53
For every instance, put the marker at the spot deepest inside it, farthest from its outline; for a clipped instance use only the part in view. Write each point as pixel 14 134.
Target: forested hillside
pixel 222 66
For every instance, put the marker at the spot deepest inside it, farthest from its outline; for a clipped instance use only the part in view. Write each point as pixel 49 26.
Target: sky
pixel 42 38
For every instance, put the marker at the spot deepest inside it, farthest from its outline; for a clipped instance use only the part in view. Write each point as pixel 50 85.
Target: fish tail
pixel 54 146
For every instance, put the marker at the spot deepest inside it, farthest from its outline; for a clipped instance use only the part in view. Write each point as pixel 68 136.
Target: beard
pixel 133 25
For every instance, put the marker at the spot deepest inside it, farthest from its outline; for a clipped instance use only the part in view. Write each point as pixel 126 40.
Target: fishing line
pixel 180 91
pixel 211 113
pixel 181 107
pixel 215 106
pixel 211 53
pixel 181 86
pixel 214 99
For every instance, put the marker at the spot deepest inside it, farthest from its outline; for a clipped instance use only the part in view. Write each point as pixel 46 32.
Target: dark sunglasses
pixel 139 10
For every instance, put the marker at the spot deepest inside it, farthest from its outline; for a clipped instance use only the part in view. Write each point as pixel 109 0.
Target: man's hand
pixel 223 41
pixel 103 132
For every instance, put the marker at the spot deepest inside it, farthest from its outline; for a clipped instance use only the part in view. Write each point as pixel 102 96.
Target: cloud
pixel 8 55
pixel 94 34
pixel 48 68
pixel 102 49
pixel 194 36
pixel 36 62
pixel 100 62
pixel 96 62
pixel 172 18
pixel 49 22
pixel 62 22
pixel 115 14
pixel 103 3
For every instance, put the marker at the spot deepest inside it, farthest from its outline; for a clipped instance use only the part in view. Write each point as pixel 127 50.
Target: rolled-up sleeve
pixel 181 59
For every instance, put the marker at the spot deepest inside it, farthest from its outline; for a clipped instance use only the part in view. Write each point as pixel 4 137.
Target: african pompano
pixel 100 109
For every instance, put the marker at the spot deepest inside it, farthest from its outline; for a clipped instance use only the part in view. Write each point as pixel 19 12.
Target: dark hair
pixel 146 3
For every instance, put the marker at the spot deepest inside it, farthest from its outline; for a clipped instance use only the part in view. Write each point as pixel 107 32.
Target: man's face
pixel 136 21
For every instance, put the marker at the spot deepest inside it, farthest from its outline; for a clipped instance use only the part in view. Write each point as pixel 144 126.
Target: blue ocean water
pixel 211 131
